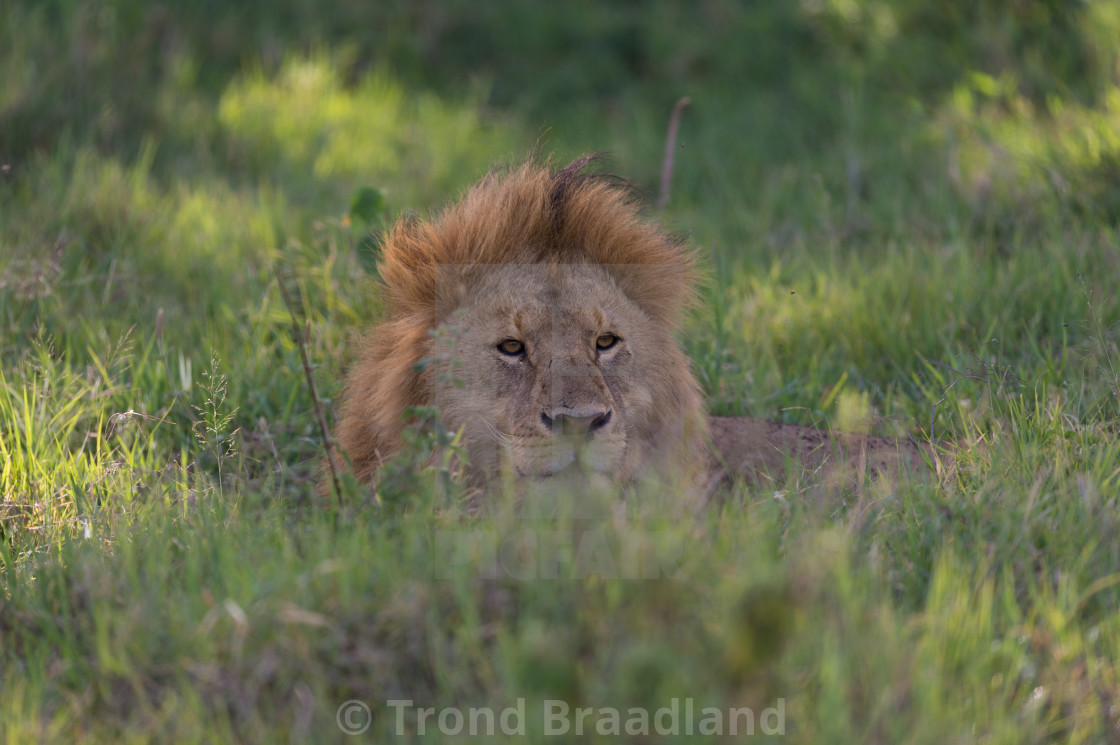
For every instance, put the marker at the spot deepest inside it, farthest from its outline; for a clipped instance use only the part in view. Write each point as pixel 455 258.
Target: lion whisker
pixel 502 438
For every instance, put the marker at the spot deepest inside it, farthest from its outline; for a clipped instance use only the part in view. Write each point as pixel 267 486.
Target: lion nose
pixel 567 424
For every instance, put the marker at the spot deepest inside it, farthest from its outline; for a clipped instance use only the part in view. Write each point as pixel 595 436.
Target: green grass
pixel 909 214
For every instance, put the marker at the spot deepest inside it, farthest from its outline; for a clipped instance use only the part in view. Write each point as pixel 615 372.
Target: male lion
pixel 540 315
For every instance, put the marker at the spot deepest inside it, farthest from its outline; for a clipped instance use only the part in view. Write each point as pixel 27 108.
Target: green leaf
pixel 367 205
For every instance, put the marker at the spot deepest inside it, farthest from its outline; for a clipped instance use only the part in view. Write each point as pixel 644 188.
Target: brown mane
pixel 530 214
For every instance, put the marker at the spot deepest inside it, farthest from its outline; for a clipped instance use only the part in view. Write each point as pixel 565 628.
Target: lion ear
pixel 451 290
pixel 664 291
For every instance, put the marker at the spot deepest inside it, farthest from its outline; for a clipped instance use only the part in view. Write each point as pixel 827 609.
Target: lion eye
pixel 512 347
pixel 606 341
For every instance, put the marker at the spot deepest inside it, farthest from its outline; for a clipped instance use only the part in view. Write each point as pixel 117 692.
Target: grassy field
pixel 909 212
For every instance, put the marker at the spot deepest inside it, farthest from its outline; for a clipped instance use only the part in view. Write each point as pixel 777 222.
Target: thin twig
pixel 301 337
pixel 670 148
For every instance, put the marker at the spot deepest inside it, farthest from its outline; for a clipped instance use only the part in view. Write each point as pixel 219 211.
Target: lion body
pixel 540 315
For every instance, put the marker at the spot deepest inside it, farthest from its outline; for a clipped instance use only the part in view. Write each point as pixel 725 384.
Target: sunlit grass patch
pixel 1010 153
pixel 305 121
pixel 76 457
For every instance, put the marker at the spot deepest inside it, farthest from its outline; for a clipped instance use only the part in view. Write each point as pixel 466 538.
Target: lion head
pixel 540 315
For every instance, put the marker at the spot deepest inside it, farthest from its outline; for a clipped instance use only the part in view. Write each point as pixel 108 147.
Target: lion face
pixel 548 368
pixel 553 305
